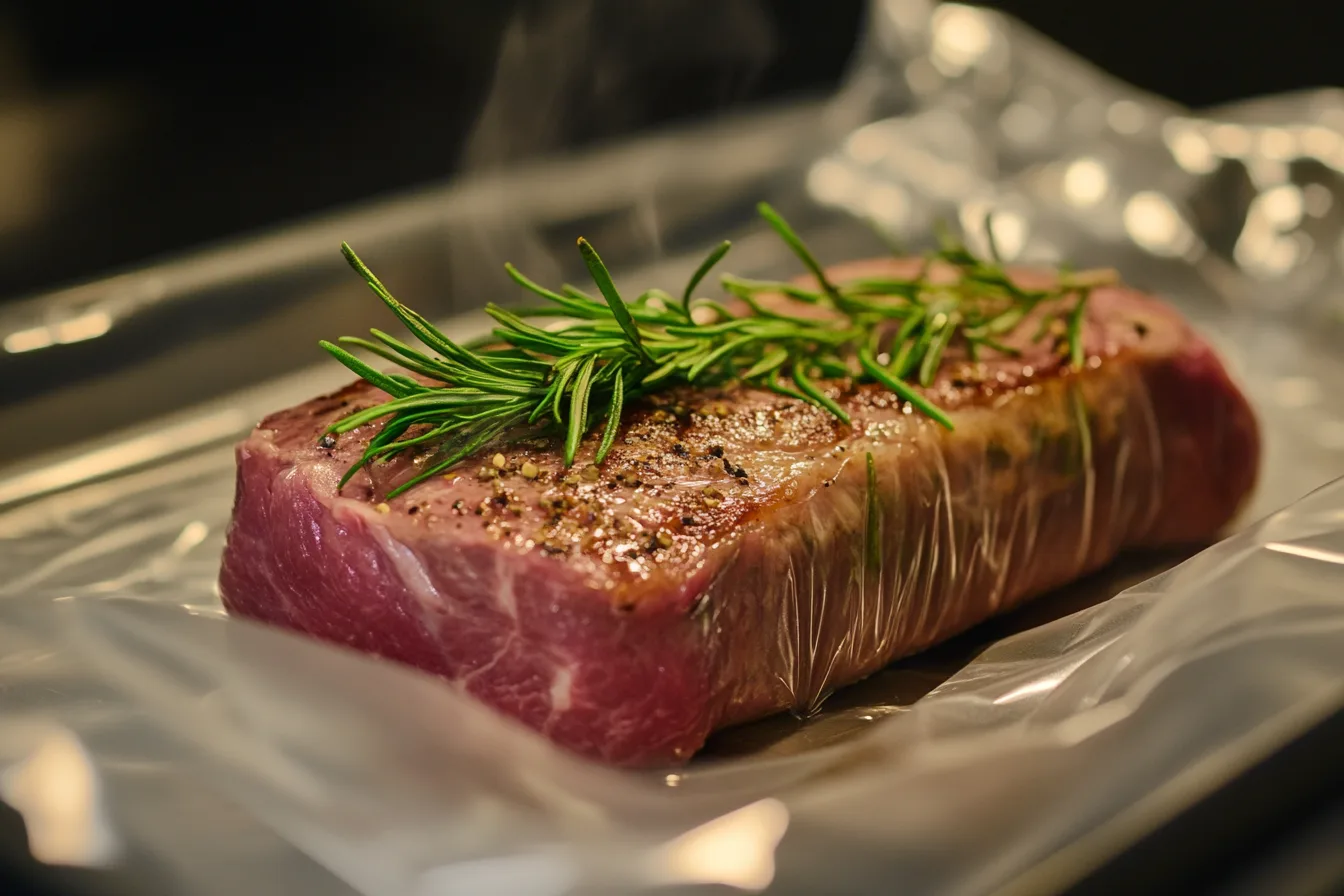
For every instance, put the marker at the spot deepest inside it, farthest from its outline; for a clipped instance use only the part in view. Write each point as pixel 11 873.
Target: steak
pixel 740 553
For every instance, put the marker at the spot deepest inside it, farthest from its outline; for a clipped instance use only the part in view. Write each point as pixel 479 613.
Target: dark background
pixel 131 130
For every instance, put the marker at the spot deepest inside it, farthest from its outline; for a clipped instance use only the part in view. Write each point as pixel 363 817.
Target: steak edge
pixel 740 553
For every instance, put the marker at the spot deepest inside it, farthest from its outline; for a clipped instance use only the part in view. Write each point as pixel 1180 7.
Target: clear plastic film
pixel 913 542
pixel 141 730
pixel 906 535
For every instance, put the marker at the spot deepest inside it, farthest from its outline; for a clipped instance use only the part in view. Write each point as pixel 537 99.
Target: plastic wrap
pixel 142 730
pixel 628 613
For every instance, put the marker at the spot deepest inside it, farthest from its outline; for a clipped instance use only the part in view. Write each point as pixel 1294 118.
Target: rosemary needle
pixel 525 380
pixel 705 266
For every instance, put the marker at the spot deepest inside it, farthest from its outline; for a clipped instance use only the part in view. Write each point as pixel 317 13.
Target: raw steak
pixel 741 553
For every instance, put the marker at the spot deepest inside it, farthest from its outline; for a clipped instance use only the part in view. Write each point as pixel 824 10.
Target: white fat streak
pixel 504 594
pixel 486 667
pixel 412 574
pixel 561 685
pixel 416 578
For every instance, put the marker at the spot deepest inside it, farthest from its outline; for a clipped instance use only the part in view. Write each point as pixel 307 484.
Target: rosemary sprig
pixel 523 380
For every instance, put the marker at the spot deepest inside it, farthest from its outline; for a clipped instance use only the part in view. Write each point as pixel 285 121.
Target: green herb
pixel 524 380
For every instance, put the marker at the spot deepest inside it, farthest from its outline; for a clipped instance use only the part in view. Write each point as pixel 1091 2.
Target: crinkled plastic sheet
pixel 143 730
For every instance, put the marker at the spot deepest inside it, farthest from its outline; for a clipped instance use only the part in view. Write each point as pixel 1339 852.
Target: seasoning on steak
pixel 741 553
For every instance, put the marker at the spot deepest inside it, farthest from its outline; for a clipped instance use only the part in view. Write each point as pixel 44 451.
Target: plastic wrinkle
pixel 852 586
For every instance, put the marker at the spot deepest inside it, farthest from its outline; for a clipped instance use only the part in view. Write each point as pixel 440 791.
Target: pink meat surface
pixel 741 553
